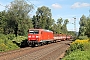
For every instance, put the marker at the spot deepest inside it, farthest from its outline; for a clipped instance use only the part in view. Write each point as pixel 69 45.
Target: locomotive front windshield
pixel 34 32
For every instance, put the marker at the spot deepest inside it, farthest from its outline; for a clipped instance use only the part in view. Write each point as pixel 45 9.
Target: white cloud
pixel 56 5
pixel 79 5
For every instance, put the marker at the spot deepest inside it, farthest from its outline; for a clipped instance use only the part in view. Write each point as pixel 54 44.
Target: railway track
pixel 14 51
pixel 11 54
pixel 38 53
pixel 41 53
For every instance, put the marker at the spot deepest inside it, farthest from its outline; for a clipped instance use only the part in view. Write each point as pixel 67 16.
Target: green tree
pixel 35 21
pixel 55 28
pixel 88 27
pixel 3 21
pixel 64 26
pixel 71 33
pixel 43 18
pixel 59 25
pixel 18 18
pixel 83 23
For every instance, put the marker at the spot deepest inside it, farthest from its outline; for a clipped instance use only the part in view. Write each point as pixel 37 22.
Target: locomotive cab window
pixel 34 31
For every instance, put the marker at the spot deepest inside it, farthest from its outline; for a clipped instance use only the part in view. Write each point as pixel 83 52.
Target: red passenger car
pixel 39 36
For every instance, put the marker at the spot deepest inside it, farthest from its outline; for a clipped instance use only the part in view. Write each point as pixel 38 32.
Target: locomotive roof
pixel 42 30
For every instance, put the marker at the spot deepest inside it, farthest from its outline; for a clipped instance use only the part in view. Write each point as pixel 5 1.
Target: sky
pixel 66 9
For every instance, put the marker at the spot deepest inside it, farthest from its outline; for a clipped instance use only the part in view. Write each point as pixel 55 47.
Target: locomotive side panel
pixel 47 35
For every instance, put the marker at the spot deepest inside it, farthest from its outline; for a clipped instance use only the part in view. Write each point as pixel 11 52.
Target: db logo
pixel 33 36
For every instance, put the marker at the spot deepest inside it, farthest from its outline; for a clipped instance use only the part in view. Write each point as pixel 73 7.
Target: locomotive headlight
pixel 29 36
pixel 37 36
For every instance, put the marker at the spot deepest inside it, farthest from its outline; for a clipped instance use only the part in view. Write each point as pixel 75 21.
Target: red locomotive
pixel 39 36
pixel 42 36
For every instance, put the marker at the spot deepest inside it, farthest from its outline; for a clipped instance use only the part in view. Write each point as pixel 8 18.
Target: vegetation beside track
pixel 6 43
pixel 79 50
pixel 10 42
pixel 21 41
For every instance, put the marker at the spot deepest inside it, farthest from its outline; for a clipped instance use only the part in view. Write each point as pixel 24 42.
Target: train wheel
pixel 37 44
pixel 41 44
pixel 55 41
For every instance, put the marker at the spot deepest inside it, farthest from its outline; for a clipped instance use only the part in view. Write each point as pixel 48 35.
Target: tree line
pixel 84 29
pixel 16 19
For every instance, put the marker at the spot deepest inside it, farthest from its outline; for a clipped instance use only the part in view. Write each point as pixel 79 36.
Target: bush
pixel 78 55
pixel 10 36
pixel 78 51
pixel 3 38
pixel 1 41
pixel 74 47
pixel 18 40
pixel 3 47
pixel 7 37
pixel 87 46
pixel 6 44
pixel 11 45
pixel 82 37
